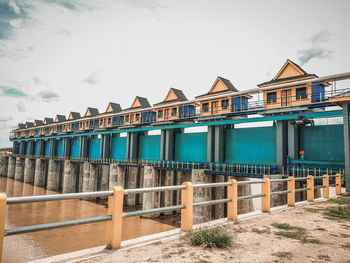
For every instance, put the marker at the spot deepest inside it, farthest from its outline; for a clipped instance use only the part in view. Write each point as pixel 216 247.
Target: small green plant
pixel 320 229
pixel 338 212
pixel 341 201
pixel 285 226
pixel 283 254
pixel 213 237
pixel 294 232
pixel 312 210
pixel 261 231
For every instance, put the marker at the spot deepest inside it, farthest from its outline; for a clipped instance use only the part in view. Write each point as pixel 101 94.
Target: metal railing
pixel 116 195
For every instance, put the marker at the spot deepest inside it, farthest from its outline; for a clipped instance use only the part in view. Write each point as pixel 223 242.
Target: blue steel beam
pixel 323 114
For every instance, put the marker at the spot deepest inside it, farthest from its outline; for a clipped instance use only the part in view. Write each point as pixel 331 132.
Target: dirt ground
pixel 258 240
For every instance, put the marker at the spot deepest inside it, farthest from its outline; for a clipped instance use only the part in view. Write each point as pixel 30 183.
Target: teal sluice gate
pixel 75 147
pixel 118 150
pixel 251 145
pixel 191 147
pixel 323 142
pixel 59 148
pixel 47 149
pixel 94 148
pixel 36 148
pixel 149 147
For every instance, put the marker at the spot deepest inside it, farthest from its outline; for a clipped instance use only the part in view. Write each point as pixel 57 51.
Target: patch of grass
pixel 341 201
pixel 261 231
pixel 294 232
pixel 240 230
pixel 323 257
pixel 321 229
pixel 285 226
pixel 283 254
pixel 338 212
pixel 346 246
pixel 312 210
pixel 213 237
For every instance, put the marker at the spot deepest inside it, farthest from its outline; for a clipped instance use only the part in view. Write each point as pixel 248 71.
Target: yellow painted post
pixel 310 184
pixel 338 184
pixel 291 188
pixel 187 212
pixel 232 194
pixel 265 200
pixel 114 226
pixel 3 202
pixel 325 181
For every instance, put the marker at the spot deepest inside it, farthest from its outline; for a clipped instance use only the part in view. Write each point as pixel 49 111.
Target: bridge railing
pixel 116 195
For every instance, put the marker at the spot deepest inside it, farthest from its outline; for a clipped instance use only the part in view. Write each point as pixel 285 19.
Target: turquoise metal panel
pixel 251 145
pixel 27 149
pixel 36 149
pixel 118 148
pixel 75 147
pixel 47 148
pixel 94 148
pixel 149 147
pixel 323 143
pixel 59 148
pixel 191 147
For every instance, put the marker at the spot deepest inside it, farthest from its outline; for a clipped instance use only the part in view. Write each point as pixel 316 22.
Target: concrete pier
pixel 277 200
pixel 94 174
pixel 150 200
pixel 70 176
pixel 19 171
pixel 11 167
pixel 104 178
pixel 201 214
pixel 131 182
pixel 169 177
pixel 3 166
pixel 53 175
pixel 86 176
pixel 244 206
pixel 40 173
pixel 29 170
pixel 218 193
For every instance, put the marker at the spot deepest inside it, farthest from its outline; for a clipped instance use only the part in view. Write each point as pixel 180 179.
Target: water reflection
pixel 25 247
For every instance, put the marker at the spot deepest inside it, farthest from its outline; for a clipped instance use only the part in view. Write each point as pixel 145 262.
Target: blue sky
pixel 61 56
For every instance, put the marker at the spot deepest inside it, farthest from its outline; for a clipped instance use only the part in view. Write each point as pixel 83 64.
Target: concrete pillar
pixel 3 166
pixel 53 145
pixel 201 214
pixel 244 206
pixel 215 143
pixel 131 182
pixel 132 145
pixel 53 177
pixel 81 178
pixel 86 176
pixel 293 140
pixel 150 200
pixel 116 175
pixel 105 146
pixel 19 171
pixel 169 195
pixel 281 142
pixel 277 200
pixel 218 193
pixel 94 174
pixel 70 176
pixel 84 147
pixel 11 167
pixel 104 178
pixel 29 170
pixel 346 145
pixel 40 172
pixel 66 147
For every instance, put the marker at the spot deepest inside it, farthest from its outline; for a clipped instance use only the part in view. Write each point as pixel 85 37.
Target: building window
pixel 271 97
pixel 160 113
pixel 301 93
pixel 224 104
pixel 109 121
pixel 101 121
pixel 205 107
pixel 131 118
pixel 173 111
pixel 137 117
pixel 81 125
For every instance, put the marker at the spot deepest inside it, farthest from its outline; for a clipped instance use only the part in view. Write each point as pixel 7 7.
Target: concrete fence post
pixel 338 184
pixel 291 188
pixel 115 225
pixel 266 200
pixel 187 212
pixel 325 183
pixel 310 192
pixel 3 203
pixel 232 194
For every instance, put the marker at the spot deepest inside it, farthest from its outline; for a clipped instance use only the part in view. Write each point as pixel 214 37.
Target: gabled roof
pixel 21 126
pixel 290 71
pixel 173 96
pixel 38 123
pixel 220 85
pixel 74 115
pixel 48 120
pixel 113 108
pixel 91 112
pixel 29 124
pixel 139 103
pixel 60 118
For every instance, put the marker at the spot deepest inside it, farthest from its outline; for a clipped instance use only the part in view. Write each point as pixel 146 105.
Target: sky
pixel 61 56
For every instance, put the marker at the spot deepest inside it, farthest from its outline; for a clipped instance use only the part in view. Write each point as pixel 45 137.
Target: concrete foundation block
pixel 244 206
pixel 131 183
pixel 3 166
pixel 19 171
pixel 11 167
pixel 94 175
pixel 201 214
pixel 104 178
pixel 29 170
pixel 53 175
pixel 277 200
pixel 70 176
pixel 218 193
pixel 168 195
pixel 40 172
pixel 86 176
pixel 150 200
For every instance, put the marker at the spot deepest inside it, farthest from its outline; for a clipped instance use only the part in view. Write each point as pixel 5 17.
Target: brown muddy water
pixel 36 245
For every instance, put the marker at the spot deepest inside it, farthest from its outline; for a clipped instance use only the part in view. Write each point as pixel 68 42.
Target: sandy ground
pixel 255 240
